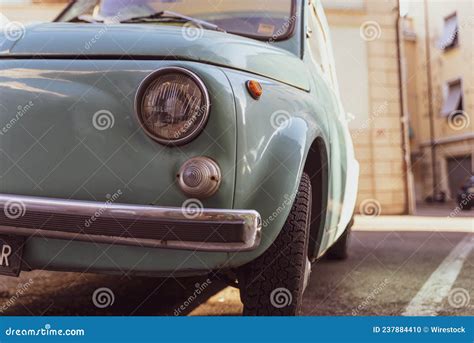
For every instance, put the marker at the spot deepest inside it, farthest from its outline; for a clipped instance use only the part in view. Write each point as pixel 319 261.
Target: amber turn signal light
pixel 255 89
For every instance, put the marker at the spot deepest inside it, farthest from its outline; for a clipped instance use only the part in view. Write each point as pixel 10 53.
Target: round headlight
pixel 172 105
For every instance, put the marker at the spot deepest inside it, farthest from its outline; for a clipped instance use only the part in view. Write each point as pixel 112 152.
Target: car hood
pixel 157 41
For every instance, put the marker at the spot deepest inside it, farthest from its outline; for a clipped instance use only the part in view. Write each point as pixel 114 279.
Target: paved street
pixel 384 274
pixel 442 210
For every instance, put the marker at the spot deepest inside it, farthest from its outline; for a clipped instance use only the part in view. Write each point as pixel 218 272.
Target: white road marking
pixel 428 300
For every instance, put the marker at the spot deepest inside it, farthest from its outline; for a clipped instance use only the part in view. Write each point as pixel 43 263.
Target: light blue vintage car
pixel 175 138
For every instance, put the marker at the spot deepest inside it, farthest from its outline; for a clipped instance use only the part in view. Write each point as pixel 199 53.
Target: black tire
pixel 339 250
pixel 273 284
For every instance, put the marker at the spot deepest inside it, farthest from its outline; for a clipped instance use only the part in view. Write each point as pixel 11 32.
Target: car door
pixel 343 167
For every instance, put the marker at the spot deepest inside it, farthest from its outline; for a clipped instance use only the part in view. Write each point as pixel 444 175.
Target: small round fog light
pixel 199 177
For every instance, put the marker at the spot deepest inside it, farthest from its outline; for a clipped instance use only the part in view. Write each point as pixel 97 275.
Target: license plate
pixel 11 250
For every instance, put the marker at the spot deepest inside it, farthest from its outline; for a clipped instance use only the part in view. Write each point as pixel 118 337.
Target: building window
pixel 449 39
pixel 454 100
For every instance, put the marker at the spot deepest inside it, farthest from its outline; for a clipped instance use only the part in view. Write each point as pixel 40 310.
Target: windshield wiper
pixel 84 18
pixel 172 17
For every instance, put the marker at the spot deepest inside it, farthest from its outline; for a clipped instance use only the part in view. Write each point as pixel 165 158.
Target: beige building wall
pixel 410 62
pixel 30 11
pixel 454 136
pixel 364 38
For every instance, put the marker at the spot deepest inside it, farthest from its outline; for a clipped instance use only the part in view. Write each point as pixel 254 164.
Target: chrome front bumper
pixel 137 225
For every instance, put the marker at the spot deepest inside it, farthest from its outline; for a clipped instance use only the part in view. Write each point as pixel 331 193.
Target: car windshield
pixel 260 19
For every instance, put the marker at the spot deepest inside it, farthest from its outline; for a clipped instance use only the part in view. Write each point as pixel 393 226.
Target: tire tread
pixel 283 264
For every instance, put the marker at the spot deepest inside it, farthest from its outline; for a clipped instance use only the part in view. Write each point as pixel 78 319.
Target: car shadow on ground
pixel 73 294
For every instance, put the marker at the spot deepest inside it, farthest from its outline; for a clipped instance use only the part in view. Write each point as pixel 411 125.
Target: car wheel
pixel 339 251
pixel 273 284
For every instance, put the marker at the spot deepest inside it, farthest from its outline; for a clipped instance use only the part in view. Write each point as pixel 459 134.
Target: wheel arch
pixel 317 167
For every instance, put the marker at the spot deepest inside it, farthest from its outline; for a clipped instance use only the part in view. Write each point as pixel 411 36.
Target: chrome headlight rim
pixel 140 96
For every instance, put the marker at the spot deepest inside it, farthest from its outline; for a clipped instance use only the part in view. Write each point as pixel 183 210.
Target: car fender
pixel 274 135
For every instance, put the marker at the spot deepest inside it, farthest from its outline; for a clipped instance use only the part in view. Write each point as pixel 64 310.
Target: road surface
pixel 386 273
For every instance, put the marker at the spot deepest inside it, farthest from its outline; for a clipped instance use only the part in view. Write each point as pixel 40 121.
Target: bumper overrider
pixel 136 225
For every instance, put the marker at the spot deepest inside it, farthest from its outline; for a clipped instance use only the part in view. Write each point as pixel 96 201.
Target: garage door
pixel 459 168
